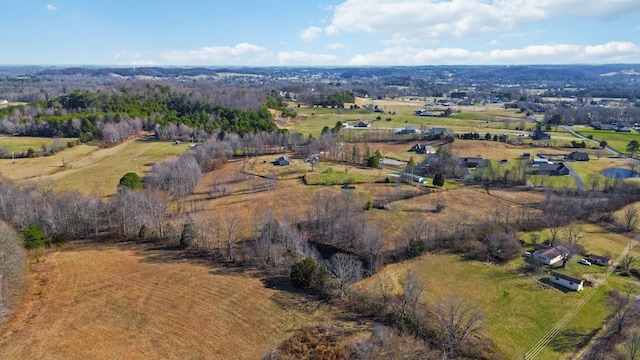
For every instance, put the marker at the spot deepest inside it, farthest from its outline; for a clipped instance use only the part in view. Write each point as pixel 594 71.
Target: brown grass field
pixel 99 301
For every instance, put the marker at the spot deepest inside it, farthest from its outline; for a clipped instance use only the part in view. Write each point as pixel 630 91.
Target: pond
pixel 619 173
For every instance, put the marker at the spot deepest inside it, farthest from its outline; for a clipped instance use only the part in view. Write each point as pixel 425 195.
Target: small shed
pixel 599 260
pixel 566 281
pixel 282 161
pixel 362 124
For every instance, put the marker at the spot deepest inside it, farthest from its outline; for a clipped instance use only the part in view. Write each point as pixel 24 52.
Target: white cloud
pixel 51 7
pixel 535 54
pixel 311 33
pixel 336 46
pixel 127 55
pixel 220 55
pixel 638 28
pixel 416 21
pixel 143 63
pixel 493 42
pixel 300 58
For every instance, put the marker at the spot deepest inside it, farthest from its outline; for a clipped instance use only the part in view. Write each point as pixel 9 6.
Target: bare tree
pixel 458 320
pixel 12 267
pixel 630 217
pixel 412 289
pixel 633 345
pixel 345 269
pixel 571 240
pixel 230 233
pixel 627 261
pixel 622 308
pixel 593 180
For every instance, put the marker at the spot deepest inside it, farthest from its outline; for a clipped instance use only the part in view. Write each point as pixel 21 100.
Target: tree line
pixel 113 115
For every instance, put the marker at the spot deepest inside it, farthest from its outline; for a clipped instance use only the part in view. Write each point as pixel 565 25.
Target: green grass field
pixel 616 140
pixel 519 310
pixel 398 114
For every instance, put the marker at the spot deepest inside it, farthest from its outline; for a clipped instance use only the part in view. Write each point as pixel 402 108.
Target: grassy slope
pixel 92 168
pixel 519 310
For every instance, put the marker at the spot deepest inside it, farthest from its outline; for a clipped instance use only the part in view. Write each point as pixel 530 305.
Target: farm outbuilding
pixel 600 260
pixel 282 161
pixel 566 281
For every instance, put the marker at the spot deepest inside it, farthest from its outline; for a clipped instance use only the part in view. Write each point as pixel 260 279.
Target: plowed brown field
pixel 121 302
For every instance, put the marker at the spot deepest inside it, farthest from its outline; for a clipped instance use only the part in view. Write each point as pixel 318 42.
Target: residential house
pixel 408 130
pixel 423 149
pixel 599 260
pixel 442 132
pixel 423 112
pixel 540 135
pixel 474 162
pixel 566 281
pixel 362 124
pixel 282 161
pixel 549 255
pixel 553 169
pixel 577 156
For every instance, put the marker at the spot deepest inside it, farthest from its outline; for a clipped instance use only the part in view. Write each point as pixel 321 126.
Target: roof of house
pixel 550 168
pixel 599 258
pixel 577 155
pixel 566 277
pixel 283 158
pixel 552 252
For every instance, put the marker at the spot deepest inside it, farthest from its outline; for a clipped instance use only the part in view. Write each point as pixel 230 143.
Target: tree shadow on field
pixel 571 340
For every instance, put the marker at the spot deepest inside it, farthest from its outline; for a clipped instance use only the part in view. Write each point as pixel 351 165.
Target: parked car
pixel 584 262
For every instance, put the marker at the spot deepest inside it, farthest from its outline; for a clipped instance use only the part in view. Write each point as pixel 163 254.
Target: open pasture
pixel 128 302
pixel 615 140
pixel 20 144
pixel 88 168
pixel 519 310
pixel 396 114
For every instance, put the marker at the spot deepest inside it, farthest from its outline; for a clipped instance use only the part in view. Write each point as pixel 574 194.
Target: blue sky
pixel 319 33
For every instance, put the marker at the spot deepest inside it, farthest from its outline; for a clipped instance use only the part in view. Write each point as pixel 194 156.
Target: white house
pixel 566 281
pixel 550 255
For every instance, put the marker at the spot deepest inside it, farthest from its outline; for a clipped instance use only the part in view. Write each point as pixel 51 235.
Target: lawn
pixel 519 309
pixel 335 178
pixel 616 140
pixel 555 182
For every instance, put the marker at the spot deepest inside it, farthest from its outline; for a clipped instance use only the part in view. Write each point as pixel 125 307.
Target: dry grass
pixel 117 302
pixel 91 168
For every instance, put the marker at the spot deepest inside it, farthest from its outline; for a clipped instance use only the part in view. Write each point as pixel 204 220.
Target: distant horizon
pixel 125 66
pixel 335 33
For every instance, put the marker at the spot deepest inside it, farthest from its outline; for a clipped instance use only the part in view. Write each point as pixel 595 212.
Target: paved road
pixel 575 176
pixel 572 132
